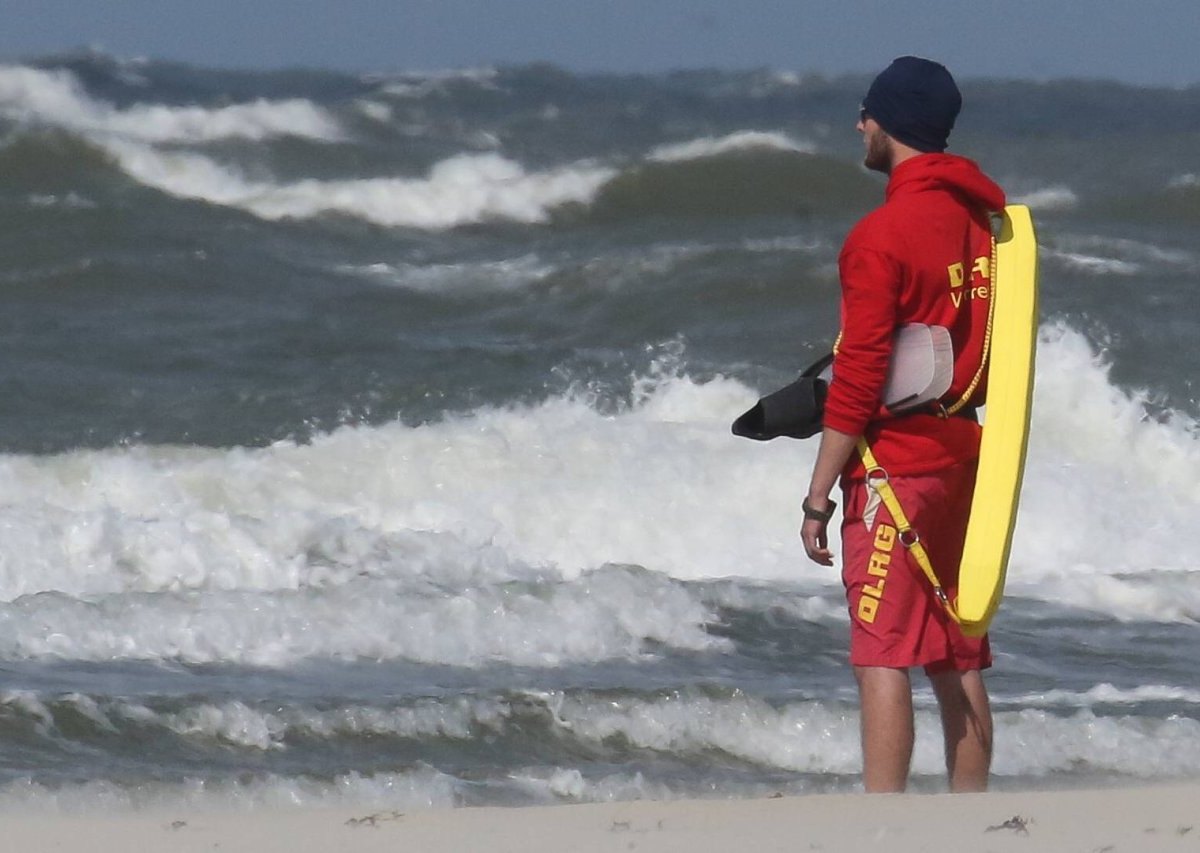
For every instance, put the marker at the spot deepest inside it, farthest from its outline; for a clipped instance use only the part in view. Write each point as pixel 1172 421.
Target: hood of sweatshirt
pixel 946 172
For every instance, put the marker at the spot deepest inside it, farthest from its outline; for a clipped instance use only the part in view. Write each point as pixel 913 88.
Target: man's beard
pixel 879 156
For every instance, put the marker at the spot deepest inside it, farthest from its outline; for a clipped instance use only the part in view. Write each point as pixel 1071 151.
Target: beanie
pixel 915 101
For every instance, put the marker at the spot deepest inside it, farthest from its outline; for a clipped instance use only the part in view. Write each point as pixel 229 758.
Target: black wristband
pixel 822 516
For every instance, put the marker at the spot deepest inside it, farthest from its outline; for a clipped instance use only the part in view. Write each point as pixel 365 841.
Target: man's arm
pixel 870 290
pixel 832 456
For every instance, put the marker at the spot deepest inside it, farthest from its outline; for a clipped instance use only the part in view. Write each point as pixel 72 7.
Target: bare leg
pixel 887 727
pixel 967 726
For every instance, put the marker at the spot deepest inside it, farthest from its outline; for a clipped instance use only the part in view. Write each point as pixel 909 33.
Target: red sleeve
pixel 870 297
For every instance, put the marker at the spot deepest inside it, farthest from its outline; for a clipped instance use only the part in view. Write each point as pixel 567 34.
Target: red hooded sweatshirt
pixel 924 256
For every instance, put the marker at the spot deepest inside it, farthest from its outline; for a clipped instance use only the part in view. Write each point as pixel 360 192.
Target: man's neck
pixel 901 153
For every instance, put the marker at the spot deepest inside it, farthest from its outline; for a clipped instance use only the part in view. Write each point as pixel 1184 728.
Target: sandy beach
pixel 1165 818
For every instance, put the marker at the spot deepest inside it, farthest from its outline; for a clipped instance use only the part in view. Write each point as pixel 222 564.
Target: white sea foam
pixel 382 797
pixel 1043 735
pixel 807 737
pixel 795 738
pixel 507 274
pixel 608 614
pixel 457 191
pixel 397 542
pixel 1103 256
pixel 419 85
pixel 375 110
pixel 1135 250
pixel 56 98
pixel 1077 262
pixel 813 737
pixel 1102 694
pixel 1048 199
pixel 515 534
pixel 69 201
pixel 613 270
pixel 540 784
pixel 239 725
pixel 787 79
pixel 741 141
pixel 1094 456
pixel 803 244
pixel 1034 743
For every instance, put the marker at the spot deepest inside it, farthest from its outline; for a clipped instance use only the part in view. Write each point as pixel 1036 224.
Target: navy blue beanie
pixel 916 102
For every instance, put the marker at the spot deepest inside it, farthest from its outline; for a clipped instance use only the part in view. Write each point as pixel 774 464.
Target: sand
pixel 1159 818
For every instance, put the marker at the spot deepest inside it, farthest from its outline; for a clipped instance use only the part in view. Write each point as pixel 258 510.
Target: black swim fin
pixel 794 411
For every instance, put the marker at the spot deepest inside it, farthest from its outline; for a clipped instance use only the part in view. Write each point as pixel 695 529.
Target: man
pixel 922 257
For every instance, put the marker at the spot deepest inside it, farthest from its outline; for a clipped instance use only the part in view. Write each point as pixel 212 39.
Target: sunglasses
pixel 862 114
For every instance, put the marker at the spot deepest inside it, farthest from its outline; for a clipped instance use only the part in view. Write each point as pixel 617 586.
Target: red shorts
pixel 895 619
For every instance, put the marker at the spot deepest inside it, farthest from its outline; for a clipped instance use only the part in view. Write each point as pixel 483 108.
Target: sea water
pixel 366 438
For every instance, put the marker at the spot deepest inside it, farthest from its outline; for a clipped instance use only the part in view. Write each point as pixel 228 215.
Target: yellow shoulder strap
pixel 877 478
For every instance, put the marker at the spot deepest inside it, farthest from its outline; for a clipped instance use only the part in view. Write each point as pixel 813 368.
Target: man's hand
pixel 834 451
pixel 814 533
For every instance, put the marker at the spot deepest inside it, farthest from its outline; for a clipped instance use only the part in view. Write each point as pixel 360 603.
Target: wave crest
pixel 746 140
pixel 56 98
pixel 465 189
pixel 738 181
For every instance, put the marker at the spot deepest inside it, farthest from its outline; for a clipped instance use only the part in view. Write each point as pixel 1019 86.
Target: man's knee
pixel 881 675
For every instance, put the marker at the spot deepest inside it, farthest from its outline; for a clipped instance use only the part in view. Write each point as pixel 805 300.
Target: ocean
pixel 366 437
